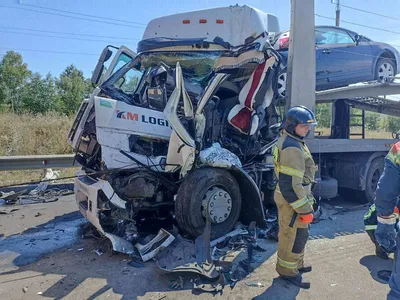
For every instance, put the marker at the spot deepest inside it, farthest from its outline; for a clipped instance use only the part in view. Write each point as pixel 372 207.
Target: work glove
pixel 307 219
pixel 385 232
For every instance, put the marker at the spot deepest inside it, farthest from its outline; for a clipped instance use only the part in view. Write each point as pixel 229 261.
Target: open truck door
pixel 117 57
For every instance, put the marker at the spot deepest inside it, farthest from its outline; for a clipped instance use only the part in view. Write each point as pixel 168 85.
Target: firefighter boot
pixel 297 281
pixel 380 252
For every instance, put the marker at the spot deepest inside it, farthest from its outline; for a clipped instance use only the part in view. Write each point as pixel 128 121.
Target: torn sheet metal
pixel 152 248
pixel 219 157
pixel 238 231
pixel 119 244
pixel 180 256
pixel 170 110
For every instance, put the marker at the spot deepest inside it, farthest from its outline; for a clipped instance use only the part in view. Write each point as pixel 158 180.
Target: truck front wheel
pixel 208 192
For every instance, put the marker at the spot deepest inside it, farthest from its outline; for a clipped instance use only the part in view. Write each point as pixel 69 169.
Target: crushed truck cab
pixel 181 132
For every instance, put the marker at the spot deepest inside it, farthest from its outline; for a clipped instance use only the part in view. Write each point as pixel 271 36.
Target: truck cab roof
pixel 233 24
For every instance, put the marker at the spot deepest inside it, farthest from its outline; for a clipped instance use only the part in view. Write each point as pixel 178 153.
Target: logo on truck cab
pixel 141 118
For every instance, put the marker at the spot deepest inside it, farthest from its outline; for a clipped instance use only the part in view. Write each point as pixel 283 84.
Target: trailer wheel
pixel 208 192
pixel 326 188
pixel 374 173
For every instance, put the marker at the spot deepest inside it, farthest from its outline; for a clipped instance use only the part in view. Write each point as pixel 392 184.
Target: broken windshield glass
pixel 131 80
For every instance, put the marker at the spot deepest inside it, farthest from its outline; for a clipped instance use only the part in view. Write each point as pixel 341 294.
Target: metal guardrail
pixel 11 163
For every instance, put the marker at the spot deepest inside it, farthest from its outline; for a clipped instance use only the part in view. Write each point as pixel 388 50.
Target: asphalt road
pixel 41 251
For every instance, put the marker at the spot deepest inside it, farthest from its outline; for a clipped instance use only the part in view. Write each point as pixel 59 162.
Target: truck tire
pixel 375 171
pixel 326 188
pixel 199 192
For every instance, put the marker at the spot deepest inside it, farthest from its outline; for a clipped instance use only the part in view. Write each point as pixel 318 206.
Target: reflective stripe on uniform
pixel 299 203
pixel 370 211
pixel 287 264
pixel 370 227
pixel 290 171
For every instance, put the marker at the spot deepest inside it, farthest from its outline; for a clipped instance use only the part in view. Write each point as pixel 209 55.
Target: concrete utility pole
pixel 301 64
pixel 337 12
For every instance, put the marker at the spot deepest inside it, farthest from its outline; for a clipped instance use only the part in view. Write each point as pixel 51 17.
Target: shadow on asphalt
pixel 375 264
pixel 279 287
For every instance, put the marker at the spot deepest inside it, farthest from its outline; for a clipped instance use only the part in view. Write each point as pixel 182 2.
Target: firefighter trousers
pixel 394 281
pixel 292 238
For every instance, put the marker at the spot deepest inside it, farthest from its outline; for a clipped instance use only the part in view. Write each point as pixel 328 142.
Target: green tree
pixel 13 75
pixel 372 120
pixel 38 95
pixel 324 115
pixel 393 124
pixel 72 89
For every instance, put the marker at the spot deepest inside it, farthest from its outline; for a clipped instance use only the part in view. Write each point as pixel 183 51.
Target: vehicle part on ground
pixel 185 256
pixel 385 70
pixel 205 286
pixel 326 187
pixel 238 231
pixel 193 192
pixel 160 242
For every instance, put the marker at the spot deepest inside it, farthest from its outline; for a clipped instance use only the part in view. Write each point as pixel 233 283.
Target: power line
pixel 85 15
pixel 49 51
pixel 369 12
pixel 73 17
pixel 58 37
pixel 69 33
pixel 357 24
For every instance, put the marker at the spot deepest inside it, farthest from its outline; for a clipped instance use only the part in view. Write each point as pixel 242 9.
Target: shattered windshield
pixel 196 66
pixel 130 82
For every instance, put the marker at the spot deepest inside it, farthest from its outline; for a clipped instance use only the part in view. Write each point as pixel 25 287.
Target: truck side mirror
pixel 105 55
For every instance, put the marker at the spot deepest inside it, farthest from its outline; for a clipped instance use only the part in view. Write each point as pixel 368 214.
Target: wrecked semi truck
pixel 181 132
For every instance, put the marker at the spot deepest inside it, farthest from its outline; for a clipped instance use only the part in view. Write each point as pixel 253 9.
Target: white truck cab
pixel 180 131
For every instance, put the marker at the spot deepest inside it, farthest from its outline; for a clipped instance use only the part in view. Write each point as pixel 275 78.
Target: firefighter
pixel 386 200
pixel 370 222
pixel 295 170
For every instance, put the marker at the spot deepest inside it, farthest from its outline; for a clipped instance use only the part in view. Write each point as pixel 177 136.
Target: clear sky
pixel 50 39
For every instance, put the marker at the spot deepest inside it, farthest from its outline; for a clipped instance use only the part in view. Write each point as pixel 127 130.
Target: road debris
pixel 136 263
pixel 238 231
pixel 255 284
pixel 151 249
pixel 24 289
pixel 80 249
pixel 38 214
pixel 99 252
pixel 6 210
pixel 40 293
pixel 206 286
pixel 177 284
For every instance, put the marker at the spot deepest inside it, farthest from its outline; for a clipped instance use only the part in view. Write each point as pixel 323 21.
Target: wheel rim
pixel 282 84
pixel 375 178
pixel 217 204
pixel 385 71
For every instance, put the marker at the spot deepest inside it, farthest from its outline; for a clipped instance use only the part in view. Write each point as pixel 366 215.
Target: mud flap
pixel 252 207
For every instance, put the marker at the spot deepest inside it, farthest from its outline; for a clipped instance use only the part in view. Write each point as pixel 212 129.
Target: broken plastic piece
pixel 205 286
pixel 150 250
pixel 99 252
pixel 254 283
